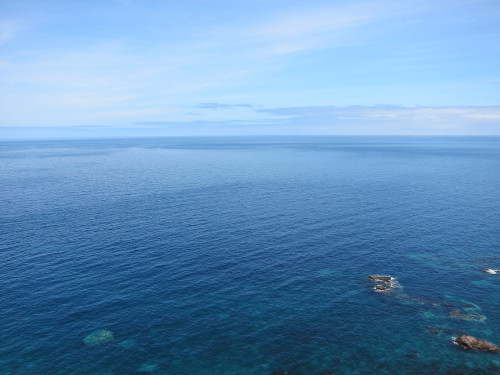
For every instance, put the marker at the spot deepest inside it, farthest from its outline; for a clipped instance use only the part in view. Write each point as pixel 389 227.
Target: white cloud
pixel 389 111
pixel 393 119
pixel 484 116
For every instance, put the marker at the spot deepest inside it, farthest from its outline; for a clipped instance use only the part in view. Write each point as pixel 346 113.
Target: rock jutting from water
pixel 388 282
pixel 98 337
pixel 491 271
pixel 380 288
pixel 385 279
pixel 470 342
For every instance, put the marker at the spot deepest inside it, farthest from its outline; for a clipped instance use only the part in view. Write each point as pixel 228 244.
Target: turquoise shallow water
pixel 249 255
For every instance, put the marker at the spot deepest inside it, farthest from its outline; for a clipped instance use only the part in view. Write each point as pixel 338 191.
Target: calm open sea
pixel 248 255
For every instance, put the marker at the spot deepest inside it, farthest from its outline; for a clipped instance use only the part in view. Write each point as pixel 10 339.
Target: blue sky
pixel 127 68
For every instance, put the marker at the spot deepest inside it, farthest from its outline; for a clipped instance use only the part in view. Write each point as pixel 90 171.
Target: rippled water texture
pixel 248 255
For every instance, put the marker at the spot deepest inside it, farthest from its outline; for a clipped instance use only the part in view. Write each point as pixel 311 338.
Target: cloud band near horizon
pixel 307 120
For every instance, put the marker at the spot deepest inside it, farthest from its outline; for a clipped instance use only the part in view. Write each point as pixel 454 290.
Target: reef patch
pixel 473 317
pixel 98 337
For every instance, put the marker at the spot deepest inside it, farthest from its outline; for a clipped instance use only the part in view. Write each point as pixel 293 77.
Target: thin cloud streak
pixel 222 106
pixel 359 120
pixel 388 111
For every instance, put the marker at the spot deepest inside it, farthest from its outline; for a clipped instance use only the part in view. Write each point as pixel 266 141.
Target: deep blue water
pixel 248 255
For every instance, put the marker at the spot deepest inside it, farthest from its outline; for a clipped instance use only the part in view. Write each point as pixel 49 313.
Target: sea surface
pixel 248 255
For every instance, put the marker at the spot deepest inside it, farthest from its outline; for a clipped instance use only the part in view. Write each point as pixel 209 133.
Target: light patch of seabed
pixel 98 337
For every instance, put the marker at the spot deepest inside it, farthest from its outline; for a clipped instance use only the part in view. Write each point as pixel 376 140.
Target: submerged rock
pixel 457 371
pixel 491 271
pixel 98 337
pixel 471 306
pixel 280 372
pixel 382 366
pixel 434 330
pixel 418 300
pixel 470 342
pixel 327 372
pixel 456 314
pixel 148 367
pixel 413 354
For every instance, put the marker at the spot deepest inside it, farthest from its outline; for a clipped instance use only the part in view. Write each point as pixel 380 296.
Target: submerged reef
pixel 434 330
pixel 418 300
pixel 456 314
pixel 459 310
pixel 98 337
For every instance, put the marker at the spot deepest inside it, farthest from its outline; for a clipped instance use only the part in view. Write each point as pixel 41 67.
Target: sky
pixel 101 68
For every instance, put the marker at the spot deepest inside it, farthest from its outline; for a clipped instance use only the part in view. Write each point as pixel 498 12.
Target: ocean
pixel 249 255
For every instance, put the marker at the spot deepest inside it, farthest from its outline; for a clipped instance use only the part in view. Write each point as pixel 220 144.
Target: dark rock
pixel 280 372
pixel 383 283
pixel 384 279
pixel 470 342
pixel 380 288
